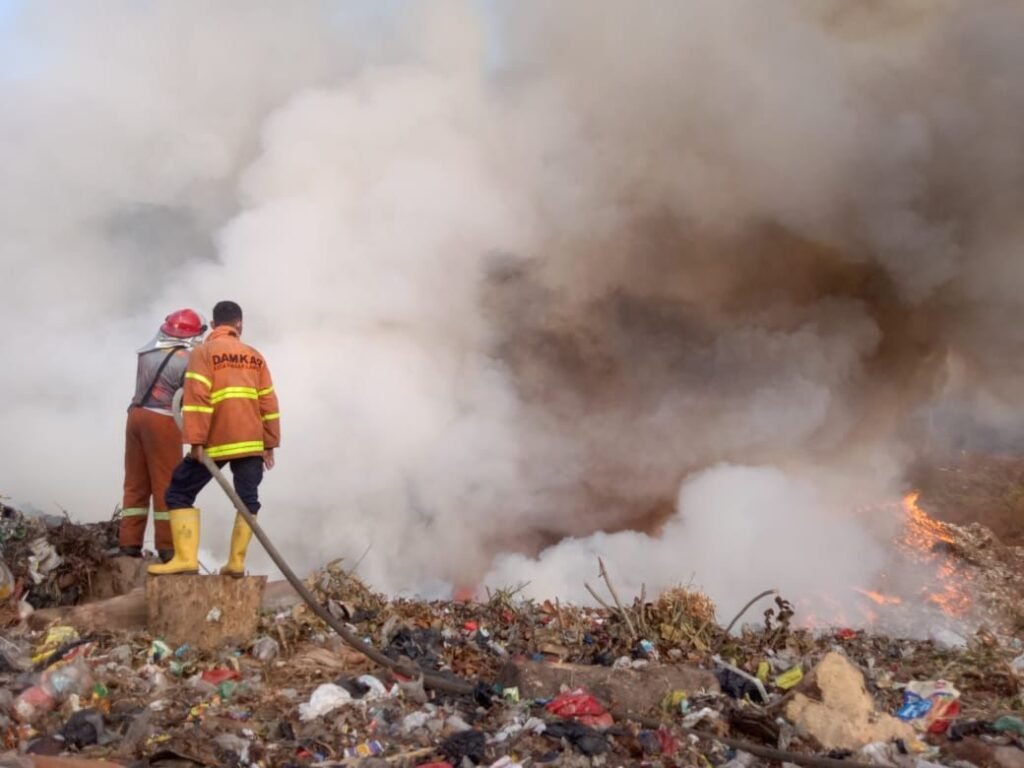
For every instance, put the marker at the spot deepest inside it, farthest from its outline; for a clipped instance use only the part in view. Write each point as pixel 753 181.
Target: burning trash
pixel 630 680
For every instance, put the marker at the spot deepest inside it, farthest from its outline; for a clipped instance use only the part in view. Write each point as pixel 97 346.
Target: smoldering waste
pixel 656 682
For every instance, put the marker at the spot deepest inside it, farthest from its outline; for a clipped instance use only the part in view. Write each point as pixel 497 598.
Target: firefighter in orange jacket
pixel 152 444
pixel 230 411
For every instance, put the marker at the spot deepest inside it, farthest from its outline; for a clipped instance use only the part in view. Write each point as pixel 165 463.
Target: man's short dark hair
pixel 227 313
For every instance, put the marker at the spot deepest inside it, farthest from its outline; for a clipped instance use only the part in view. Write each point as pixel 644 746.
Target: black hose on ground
pixel 430 679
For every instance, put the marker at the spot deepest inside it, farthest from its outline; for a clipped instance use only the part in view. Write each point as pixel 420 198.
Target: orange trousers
pixel 152 449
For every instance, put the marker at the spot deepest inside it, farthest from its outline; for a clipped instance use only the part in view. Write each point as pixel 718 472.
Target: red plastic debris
pixel 944 712
pixel 471 626
pixel 669 744
pixel 79 650
pixel 845 633
pixel 582 707
pixel 218 676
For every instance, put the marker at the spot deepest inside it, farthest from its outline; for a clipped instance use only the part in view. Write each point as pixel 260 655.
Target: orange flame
pixel 463 593
pixel 878 597
pixel 920 539
pixel 921 535
pixel 923 532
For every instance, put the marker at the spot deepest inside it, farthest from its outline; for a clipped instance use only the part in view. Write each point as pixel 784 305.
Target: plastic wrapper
pixel 930 705
pixel 54 639
pixel 789 678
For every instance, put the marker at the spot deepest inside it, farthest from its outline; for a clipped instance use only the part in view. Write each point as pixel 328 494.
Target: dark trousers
pixel 190 477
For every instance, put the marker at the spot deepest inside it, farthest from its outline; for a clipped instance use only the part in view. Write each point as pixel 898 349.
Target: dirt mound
pixel 976 488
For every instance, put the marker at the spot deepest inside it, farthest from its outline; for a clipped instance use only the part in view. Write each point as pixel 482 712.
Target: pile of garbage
pixel 646 683
pixel 638 682
pixel 995 569
pixel 47 560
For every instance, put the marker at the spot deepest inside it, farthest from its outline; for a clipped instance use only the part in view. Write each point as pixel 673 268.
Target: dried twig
pixel 642 614
pixel 615 597
pixel 359 562
pixel 597 597
pixel 505 595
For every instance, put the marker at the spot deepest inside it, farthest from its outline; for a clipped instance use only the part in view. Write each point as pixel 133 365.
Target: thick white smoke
pixel 522 270
pixel 735 528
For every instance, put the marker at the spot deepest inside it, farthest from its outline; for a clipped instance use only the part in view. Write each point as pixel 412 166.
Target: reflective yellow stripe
pixel 228 392
pixel 198 377
pixel 232 395
pixel 233 449
pixel 161 515
pixel 272 416
pixel 197 409
pixel 266 391
pixel 134 511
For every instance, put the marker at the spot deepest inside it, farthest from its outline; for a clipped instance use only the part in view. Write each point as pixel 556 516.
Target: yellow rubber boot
pixel 241 534
pixel 185 534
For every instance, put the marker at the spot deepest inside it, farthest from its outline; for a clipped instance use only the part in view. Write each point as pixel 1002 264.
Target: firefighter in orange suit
pixel 152 446
pixel 230 411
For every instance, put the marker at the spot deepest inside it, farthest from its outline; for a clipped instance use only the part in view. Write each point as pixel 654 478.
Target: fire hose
pixel 457 685
pixel 430 679
pixel 434 680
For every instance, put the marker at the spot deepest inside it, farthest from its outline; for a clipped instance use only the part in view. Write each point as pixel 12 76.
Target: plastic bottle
pixel 33 702
pixel 67 679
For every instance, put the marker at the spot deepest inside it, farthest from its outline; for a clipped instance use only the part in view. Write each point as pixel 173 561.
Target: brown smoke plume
pixel 528 271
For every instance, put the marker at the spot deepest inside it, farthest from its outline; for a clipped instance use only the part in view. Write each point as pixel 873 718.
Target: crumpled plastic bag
pixel 65 680
pixel 696 718
pixel 587 740
pixel 235 744
pixel 375 688
pixel 84 728
pixel 415 720
pixel 366 688
pixel 55 638
pixel 44 558
pixel 581 706
pixel 266 648
pixel 1017 666
pixel 327 698
pixel 462 746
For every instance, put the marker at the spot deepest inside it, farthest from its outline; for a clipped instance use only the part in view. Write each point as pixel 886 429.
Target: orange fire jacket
pixel 229 406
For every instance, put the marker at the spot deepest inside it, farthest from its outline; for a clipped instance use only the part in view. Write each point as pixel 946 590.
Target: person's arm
pixel 270 415
pixel 197 411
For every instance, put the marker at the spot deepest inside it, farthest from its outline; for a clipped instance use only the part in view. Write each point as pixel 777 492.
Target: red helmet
pixel 183 324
